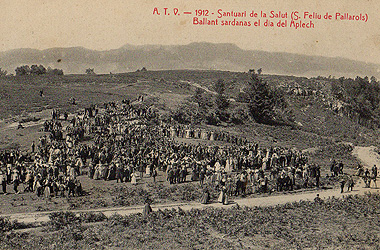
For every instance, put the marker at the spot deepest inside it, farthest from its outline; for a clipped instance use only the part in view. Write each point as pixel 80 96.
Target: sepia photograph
pixel 189 124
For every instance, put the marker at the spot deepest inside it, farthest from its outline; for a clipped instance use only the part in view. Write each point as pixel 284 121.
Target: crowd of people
pixel 367 175
pixel 126 148
pixel 48 171
pixel 128 141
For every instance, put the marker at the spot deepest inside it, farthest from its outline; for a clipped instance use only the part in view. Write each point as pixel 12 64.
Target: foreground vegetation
pixel 348 223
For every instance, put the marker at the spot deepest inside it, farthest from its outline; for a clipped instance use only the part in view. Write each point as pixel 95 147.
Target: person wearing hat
pixel 318 199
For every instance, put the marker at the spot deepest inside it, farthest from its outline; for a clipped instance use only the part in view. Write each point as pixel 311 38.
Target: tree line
pixel 37 70
pixel 362 94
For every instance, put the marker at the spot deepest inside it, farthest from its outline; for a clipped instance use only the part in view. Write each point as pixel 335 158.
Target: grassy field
pixel 22 94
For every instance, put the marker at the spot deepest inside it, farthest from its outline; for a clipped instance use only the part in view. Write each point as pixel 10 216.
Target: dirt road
pixel 251 202
pixel 367 155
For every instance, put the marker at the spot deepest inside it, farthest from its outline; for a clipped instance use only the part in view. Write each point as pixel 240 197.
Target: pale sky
pixel 109 24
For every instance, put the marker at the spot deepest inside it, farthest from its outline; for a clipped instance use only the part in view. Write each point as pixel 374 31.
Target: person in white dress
pixel 133 178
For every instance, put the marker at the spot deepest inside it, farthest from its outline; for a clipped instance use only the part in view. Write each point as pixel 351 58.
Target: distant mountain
pixel 222 56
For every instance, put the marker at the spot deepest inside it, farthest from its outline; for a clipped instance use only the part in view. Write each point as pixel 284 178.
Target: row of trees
pixel 37 70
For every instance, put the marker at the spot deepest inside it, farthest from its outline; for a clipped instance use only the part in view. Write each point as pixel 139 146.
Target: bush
pixel 89 217
pixel 7 225
pixel 131 196
pixel 239 115
pixel 60 220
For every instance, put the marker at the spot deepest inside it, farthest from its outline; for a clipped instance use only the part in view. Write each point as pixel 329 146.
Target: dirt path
pixel 365 154
pixel 250 202
pixel 197 85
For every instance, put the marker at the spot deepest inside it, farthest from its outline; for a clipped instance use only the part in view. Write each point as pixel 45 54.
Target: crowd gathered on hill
pixel 125 141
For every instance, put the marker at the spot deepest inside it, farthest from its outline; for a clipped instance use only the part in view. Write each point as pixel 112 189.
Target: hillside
pixel 201 56
pixel 318 125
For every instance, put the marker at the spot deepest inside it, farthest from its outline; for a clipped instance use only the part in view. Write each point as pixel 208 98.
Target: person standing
pixel 16 182
pixel 205 197
pixel 350 183
pixel 3 181
pixel 224 196
pixel 317 176
pixel 374 175
pixel 33 146
pixel 342 183
pixel 119 172
pixel 332 166
pixel 133 178
pixel 147 209
pixel 367 178
pixel 141 169
pixel 201 177
pixel 154 174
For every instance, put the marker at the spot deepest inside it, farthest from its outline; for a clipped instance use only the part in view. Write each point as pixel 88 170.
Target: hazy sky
pixel 109 24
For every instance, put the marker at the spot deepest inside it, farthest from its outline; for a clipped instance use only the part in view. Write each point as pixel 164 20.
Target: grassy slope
pixel 321 127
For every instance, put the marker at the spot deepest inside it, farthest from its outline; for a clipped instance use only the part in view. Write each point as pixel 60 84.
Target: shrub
pixel 89 217
pixel 59 220
pixel 7 225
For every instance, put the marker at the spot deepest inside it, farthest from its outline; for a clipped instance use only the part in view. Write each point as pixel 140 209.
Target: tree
pixel 220 86
pixel 90 71
pixel 37 70
pixel 261 99
pixel 3 72
pixel 373 79
pixel 199 98
pixel 22 70
pixel 221 100
pixel 222 103
pixel 187 113
pixel 50 71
